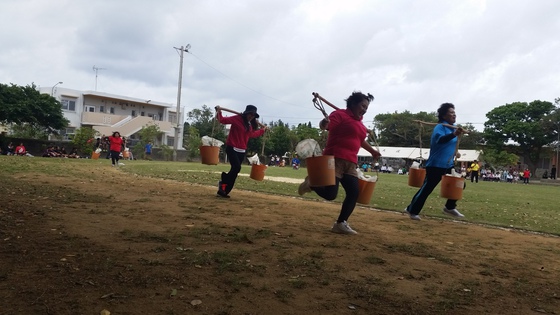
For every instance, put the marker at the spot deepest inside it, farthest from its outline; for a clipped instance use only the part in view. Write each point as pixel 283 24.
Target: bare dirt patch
pixel 134 245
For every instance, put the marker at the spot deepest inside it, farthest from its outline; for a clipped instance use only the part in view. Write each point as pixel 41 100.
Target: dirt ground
pixel 131 245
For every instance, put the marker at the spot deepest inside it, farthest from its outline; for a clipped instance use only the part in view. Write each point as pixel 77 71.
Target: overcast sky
pixel 411 55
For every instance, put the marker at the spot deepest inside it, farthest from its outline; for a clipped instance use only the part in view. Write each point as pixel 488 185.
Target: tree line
pixel 520 129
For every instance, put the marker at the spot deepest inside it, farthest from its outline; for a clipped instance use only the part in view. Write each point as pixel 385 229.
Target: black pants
pixel 474 176
pixel 235 160
pixel 350 185
pixel 115 157
pixel 433 177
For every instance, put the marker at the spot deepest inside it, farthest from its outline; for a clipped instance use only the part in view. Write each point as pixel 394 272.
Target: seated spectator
pixel 10 149
pixel 295 163
pixel 20 150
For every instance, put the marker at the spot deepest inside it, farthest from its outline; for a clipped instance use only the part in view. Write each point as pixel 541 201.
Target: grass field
pixel 528 207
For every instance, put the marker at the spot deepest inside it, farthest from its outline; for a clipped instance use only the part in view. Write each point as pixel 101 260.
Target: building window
pixel 68 133
pixel 133 114
pixel 102 109
pixel 90 109
pixel 141 113
pixel 112 110
pixel 170 141
pixel 69 105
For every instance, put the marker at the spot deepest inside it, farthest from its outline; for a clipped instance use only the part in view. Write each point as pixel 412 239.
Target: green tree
pixel 193 142
pixel 28 131
pixel 526 124
pixel 205 123
pixel 84 140
pixel 499 158
pixel 25 105
pixel 148 133
pixel 401 130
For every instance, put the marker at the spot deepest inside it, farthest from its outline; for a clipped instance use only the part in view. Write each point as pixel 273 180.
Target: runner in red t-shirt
pixel 347 134
pixel 115 147
pixel 243 127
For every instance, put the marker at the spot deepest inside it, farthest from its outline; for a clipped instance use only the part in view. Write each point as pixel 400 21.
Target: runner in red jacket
pixel 115 147
pixel 243 127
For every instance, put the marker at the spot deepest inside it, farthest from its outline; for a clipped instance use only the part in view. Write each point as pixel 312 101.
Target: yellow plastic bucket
pixel 320 170
pixel 257 171
pixel 366 191
pixel 416 177
pixel 210 155
pixel 452 187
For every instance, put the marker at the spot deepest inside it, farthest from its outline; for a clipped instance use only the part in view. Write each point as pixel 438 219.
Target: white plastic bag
pixel 367 178
pixel 254 159
pixel 209 141
pixel 415 165
pixel 308 148
pixel 98 150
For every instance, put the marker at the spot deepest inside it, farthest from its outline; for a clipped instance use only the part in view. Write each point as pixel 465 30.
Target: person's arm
pixel 374 153
pixel 446 138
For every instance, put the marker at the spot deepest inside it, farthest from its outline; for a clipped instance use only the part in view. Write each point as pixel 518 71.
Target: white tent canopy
pixel 418 153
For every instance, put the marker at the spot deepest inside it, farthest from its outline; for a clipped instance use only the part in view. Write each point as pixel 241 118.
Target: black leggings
pixel 235 159
pixel 433 177
pixel 350 185
pixel 115 157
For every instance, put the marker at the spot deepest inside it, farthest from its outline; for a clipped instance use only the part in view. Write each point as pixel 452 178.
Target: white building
pixel 107 113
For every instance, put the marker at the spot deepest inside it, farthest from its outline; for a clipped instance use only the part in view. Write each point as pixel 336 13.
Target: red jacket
pixel 238 134
pixel 526 174
pixel 116 143
pixel 346 134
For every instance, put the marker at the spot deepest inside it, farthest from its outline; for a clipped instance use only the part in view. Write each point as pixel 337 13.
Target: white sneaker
pixel 342 228
pixel 304 187
pixel 412 216
pixel 453 212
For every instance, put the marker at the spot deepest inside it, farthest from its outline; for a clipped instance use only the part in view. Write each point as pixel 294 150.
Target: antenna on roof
pixel 96 69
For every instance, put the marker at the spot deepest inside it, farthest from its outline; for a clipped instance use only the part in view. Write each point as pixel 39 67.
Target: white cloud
pixel 412 55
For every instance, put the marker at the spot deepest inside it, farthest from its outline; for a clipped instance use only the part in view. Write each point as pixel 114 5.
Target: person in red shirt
pixel 243 127
pixel 115 147
pixel 20 150
pixel 347 134
pixel 526 175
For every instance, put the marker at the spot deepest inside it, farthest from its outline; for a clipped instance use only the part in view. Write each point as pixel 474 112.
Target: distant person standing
pixel 474 171
pixel 115 147
pixel 148 150
pixel 526 175
pixel 553 172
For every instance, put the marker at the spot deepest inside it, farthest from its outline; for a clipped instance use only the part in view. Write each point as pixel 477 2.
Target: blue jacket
pixel 442 147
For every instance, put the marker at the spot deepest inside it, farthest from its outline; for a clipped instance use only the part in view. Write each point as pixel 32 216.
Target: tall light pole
pixel 182 50
pixel 52 91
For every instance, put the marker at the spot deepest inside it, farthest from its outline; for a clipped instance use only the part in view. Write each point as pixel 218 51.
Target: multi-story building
pixel 107 113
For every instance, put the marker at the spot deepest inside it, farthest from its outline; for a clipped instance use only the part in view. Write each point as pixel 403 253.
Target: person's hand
pixel 459 131
pixel 324 124
pixel 376 155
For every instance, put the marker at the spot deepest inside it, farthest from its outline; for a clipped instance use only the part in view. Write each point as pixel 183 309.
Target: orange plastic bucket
pixel 210 155
pixel 257 171
pixel 320 170
pixel 452 187
pixel 416 177
pixel 95 155
pixel 125 154
pixel 366 191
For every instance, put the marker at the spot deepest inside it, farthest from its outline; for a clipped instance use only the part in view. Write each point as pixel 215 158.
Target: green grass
pixel 529 207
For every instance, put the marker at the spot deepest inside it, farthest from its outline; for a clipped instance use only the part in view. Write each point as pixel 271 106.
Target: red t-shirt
pixel 238 134
pixel 116 143
pixel 346 134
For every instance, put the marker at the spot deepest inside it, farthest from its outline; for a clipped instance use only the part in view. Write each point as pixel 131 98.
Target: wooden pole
pixel 238 113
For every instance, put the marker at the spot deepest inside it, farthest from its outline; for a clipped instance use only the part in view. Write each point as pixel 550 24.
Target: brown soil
pixel 131 245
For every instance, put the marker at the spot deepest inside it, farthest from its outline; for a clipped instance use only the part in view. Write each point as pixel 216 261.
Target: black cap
pixel 251 109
